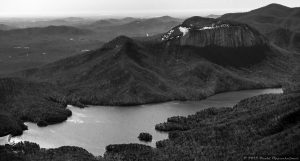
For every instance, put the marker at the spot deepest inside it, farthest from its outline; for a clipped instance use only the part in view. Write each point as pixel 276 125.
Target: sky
pixel 136 8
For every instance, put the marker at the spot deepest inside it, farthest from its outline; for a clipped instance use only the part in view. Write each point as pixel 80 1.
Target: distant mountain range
pixel 50 30
pixel 51 43
pixel 213 16
pixel 132 27
pixel 191 61
pixel 188 61
pixel 166 60
pixel 44 22
pixel 31 47
pixel 6 27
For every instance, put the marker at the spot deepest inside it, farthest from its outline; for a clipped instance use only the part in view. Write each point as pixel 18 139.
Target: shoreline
pixel 154 103
pixel 203 99
pixel 211 122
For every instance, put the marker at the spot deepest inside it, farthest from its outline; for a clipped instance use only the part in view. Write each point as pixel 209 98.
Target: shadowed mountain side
pixel 270 17
pixel 9 124
pixel 279 23
pixel 127 72
pixel 131 72
pixel 27 101
pixel 285 38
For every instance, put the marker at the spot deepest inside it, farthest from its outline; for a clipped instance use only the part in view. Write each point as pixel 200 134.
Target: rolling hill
pixel 32 47
pixel 111 28
pixel 6 27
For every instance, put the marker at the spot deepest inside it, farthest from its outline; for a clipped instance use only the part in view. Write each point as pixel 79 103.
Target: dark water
pixel 95 127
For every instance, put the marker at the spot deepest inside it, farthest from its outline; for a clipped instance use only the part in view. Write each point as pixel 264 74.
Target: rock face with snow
pixel 128 71
pixel 202 32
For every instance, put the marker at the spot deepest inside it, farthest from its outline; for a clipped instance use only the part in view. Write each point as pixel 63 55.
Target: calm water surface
pixel 95 127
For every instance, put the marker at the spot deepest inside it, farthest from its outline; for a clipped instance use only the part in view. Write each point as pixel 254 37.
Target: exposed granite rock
pixel 202 32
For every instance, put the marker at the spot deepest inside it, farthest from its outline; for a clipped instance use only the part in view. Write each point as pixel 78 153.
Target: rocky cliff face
pixel 196 59
pixel 202 32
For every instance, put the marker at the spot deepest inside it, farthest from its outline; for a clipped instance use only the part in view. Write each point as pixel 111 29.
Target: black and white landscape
pixel 184 87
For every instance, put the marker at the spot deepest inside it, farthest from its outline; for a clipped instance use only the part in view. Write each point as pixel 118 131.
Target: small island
pixel 145 137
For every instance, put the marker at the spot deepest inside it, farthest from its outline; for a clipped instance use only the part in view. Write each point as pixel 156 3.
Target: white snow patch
pixel 167 35
pixel 184 30
pixel 213 26
pixel 85 50
pixel 147 35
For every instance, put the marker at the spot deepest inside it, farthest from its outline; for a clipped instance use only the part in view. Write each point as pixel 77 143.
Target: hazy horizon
pixel 128 8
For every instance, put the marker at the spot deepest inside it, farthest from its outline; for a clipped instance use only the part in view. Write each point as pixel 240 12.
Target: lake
pixel 95 127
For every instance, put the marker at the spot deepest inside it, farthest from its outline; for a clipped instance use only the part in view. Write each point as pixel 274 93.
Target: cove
pixel 95 127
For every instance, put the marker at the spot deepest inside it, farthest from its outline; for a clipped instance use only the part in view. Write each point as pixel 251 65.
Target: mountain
pixel 55 30
pixel 109 22
pixel 213 16
pixel 32 47
pixel 285 38
pixel 111 28
pixel 23 101
pixel 194 60
pixel 6 27
pixel 271 19
pixel 44 22
pixel 198 31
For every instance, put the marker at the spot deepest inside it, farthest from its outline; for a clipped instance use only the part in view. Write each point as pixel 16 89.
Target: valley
pixel 162 75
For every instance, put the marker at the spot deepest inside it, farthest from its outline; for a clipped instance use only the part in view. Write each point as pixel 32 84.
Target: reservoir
pixel 95 127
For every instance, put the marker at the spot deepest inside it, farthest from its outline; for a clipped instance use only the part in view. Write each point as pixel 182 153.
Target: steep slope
pixel 179 66
pixel 269 17
pixel 275 21
pixel 285 38
pixel 201 32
